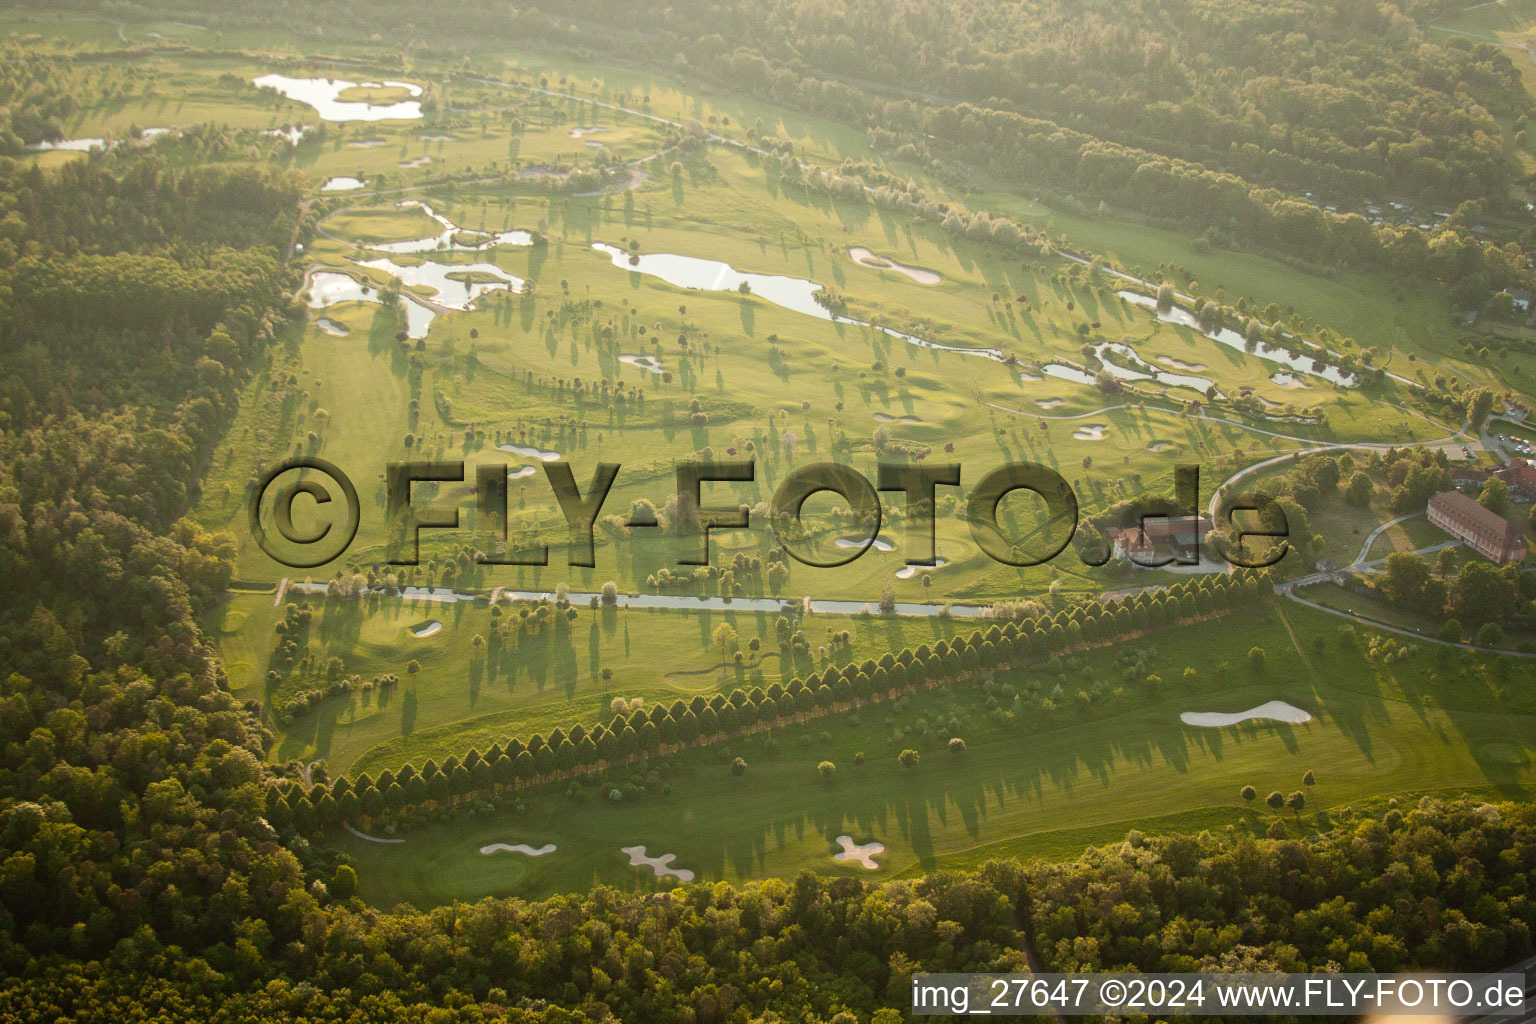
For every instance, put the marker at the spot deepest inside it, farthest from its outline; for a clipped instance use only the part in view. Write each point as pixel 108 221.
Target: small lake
pixel 333 328
pixel 446 240
pixel 864 258
pixel 792 293
pixel 327 287
pixel 444 279
pixel 1232 339
pixel 1140 369
pixel 323 93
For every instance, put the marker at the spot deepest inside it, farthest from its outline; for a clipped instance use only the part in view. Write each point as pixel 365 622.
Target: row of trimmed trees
pixel 662 729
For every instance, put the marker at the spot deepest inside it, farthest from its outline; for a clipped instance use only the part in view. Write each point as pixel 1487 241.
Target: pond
pixel 327 287
pixel 1140 369
pixel 792 293
pixel 323 93
pixel 332 327
pixel 446 279
pixel 1288 380
pixel 864 258
pixel 1304 364
pixel 448 238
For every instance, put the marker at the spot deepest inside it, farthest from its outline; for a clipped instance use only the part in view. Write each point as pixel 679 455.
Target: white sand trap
pixel 341 184
pixel 1090 432
pixel 859 542
pixel 578 132
pixel 864 258
pixel 417 161
pixel 491 848
pixel 520 472
pixel 913 570
pixel 661 865
pixel 427 628
pixel 864 854
pixel 643 362
pixel 1049 403
pixel 1275 711
pixel 885 417
pixel 1179 364
pixel 1160 446
pixel 530 452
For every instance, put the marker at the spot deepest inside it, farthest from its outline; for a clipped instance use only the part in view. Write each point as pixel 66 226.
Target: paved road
pixel 1286 590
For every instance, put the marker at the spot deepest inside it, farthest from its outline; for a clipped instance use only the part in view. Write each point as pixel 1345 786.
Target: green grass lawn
pixel 1028 784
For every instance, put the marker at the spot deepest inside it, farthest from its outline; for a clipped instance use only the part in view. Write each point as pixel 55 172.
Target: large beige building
pixel 1486 532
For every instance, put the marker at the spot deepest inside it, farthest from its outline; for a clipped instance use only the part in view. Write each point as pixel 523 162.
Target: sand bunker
pixel 643 362
pixel 864 854
pixel 888 418
pixel 1049 403
pixel 1288 380
pixel 913 570
pixel 1275 711
pixel 341 184
pixel 1160 446
pixel 661 865
pixel 520 472
pixel 1090 432
pixel 427 628
pixel 864 258
pixel 419 161
pixel 491 848
pixel 859 542
pixel 577 133
pixel 530 452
